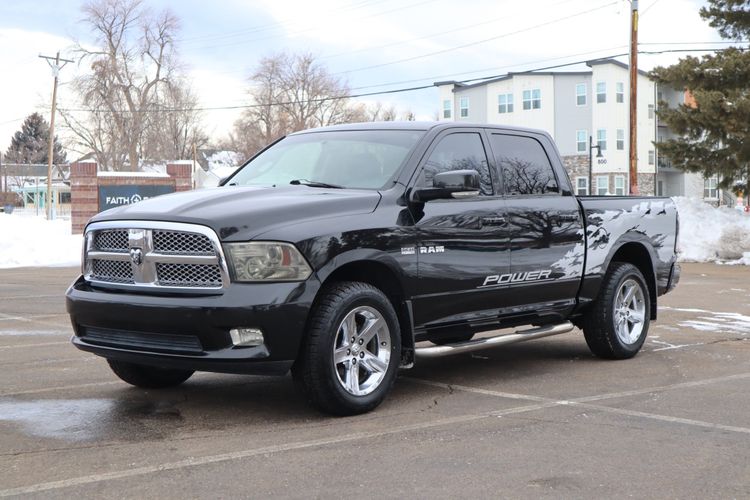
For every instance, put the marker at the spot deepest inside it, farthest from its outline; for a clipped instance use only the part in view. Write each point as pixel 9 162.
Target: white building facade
pixel 574 108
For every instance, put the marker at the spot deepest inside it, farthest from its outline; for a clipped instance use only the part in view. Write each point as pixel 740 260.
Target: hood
pixel 243 213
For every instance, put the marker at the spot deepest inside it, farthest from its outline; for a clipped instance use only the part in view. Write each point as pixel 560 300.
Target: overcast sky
pixel 374 45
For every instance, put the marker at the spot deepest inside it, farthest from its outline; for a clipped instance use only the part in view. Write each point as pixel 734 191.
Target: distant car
pixel 334 251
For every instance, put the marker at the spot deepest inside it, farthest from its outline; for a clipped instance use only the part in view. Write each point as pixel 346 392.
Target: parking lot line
pixel 57 389
pixel 664 418
pixel 42 344
pixel 32 297
pixel 584 402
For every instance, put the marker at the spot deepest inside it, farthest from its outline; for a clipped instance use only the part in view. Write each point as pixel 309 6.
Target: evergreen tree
pixel 31 143
pixel 714 122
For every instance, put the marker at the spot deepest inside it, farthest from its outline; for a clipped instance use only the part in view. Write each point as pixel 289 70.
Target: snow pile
pixel 224 159
pixel 710 234
pixel 28 240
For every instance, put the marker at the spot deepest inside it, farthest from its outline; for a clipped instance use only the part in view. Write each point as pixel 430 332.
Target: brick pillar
pixel 84 198
pixel 182 173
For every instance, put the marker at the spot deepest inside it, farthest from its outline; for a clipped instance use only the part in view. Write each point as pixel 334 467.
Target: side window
pixel 461 151
pixel 524 165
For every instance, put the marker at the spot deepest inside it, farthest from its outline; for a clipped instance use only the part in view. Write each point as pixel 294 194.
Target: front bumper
pixel 192 332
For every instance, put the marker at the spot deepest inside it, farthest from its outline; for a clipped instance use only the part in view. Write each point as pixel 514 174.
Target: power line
pixel 433 35
pixel 477 42
pixel 314 28
pixel 385 92
pixel 493 68
pixel 270 26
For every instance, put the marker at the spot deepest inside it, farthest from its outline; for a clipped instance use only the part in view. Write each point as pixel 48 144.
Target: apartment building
pixel 582 109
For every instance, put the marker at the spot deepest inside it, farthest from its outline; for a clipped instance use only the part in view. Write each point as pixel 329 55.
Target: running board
pixel 484 343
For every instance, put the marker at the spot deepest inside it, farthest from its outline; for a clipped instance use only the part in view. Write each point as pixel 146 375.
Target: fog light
pixel 246 337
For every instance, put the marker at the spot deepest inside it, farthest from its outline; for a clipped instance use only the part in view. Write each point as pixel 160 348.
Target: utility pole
pixel 195 161
pixel 55 72
pixel 634 98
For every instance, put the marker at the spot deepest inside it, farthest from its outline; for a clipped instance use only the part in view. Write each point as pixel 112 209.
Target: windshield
pixel 367 159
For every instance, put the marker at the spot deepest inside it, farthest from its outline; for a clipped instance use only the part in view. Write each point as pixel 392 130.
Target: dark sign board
pixel 117 196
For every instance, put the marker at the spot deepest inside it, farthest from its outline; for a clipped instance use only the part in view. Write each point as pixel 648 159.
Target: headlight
pixel 266 261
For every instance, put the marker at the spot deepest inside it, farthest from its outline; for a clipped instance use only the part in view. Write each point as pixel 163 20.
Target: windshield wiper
pixel 315 184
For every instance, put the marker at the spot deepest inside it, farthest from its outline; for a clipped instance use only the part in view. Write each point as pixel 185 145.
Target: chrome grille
pixel 112 241
pixel 175 242
pixel 152 256
pixel 113 271
pixel 192 275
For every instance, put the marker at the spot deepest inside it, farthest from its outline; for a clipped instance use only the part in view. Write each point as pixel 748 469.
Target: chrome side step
pixel 483 343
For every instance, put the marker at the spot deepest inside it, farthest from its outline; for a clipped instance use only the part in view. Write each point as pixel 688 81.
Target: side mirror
pixel 452 184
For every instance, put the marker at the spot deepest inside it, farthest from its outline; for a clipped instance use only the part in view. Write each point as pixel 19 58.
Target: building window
pixel 601 139
pixel 620 92
pixel 620 185
pixel 505 103
pixel 581 141
pixel 582 186
pixel 620 139
pixel 601 92
pixel 464 107
pixel 532 99
pixel 659 188
pixel 447 105
pixel 650 111
pixel 651 157
pixel 711 188
pixel 581 94
pixel 602 185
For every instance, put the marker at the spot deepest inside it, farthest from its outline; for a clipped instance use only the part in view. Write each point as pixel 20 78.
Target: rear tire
pixel 617 324
pixel 148 377
pixel 352 350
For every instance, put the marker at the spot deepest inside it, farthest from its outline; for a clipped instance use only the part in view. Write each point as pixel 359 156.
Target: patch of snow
pixel 224 159
pixel 666 346
pixel 35 241
pixel 710 234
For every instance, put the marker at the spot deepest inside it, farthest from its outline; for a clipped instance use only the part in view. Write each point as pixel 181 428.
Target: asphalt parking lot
pixel 540 419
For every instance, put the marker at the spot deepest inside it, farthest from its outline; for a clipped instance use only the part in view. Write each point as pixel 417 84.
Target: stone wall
pixel 578 166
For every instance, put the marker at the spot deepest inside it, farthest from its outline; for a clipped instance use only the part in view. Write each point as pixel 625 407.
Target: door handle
pixel 493 221
pixel 567 218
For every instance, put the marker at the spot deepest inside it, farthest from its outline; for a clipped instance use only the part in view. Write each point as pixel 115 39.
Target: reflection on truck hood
pixel 243 213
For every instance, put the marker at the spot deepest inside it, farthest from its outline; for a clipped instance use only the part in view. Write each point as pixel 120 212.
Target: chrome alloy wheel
pixel 362 350
pixel 629 311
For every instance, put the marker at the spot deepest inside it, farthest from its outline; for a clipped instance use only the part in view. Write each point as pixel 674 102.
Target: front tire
pixel 617 324
pixel 352 350
pixel 148 377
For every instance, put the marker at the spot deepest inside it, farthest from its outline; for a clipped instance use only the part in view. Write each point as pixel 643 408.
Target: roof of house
pixel 458 85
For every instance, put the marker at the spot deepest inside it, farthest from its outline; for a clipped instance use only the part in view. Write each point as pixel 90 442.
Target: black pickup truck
pixel 344 253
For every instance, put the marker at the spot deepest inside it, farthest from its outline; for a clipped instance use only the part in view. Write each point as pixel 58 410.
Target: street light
pixel 591 161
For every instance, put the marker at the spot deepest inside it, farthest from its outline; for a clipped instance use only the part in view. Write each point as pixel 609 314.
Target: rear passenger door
pixel 461 241
pixel 545 227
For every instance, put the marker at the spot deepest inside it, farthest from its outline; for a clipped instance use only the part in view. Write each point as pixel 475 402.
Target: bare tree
pixel 175 128
pixel 134 80
pixel 290 93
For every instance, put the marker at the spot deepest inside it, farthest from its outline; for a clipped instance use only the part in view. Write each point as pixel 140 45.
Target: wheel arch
pixel 383 272
pixel 637 254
